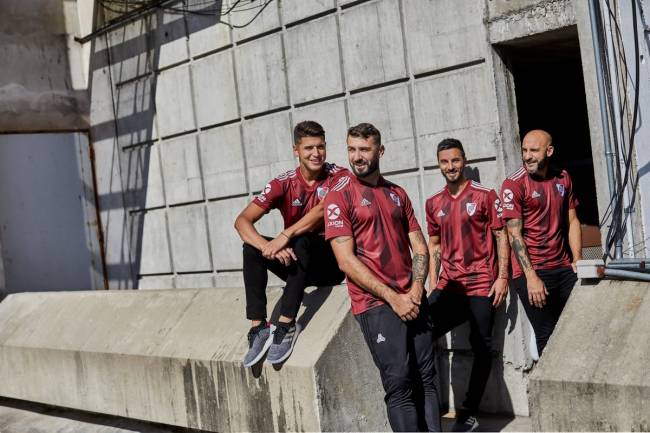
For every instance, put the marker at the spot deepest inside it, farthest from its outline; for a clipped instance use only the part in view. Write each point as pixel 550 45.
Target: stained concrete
pixel 174 357
pixel 593 374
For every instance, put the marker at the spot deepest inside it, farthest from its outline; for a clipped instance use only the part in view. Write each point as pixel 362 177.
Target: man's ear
pixel 549 150
pixel 381 150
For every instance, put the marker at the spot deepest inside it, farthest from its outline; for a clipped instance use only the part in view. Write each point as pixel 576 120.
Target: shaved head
pixel 536 148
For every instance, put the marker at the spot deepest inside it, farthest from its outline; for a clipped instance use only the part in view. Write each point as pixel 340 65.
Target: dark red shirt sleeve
pixel 494 211
pixel 572 199
pixel 512 199
pixel 270 196
pixel 413 224
pixel 433 228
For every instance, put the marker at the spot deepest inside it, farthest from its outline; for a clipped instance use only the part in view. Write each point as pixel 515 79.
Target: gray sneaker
pixel 465 423
pixel 283 342
pixel 259 341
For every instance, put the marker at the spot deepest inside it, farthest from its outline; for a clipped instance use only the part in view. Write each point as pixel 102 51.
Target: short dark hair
pixel 365 131
pixel 450 143
pixel 307 128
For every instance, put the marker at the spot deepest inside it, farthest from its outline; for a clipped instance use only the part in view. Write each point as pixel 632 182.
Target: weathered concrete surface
pixel 174 357
pixel 593 375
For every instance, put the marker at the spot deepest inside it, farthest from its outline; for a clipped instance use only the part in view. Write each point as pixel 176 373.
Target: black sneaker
pixel 283 342
pixel 259 341
pixel 465 422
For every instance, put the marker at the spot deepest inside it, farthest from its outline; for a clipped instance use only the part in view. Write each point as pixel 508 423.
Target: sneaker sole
pixel 293 343
pixel 265 348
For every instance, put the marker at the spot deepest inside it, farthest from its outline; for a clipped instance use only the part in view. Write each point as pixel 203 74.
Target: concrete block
pixel 136 112
pixel 485 172
pixel 261 75
pixel 331 115
pixel 131 50
pixel 222 161
pixel 313 76
pixel 268 144
pixel 139 177
pixel 194 281
pixel 269 19
pixel 163 364
pixel 156 282
pixel 189 238
pixel 207 32
pixel 444 33
pixel 411 184
pixel 372 43
pixel 215 97
pixel 225 242
pixel 389 110
pixel 497 8
pixel 153 183
pixel 181 170
pixel 294 10
pixel 506 390
pixel 155 257
pixel 593 374
pixel 170 39
pixel 174 101
pixel 440 113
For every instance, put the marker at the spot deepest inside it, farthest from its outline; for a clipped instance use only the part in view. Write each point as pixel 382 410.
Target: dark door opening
pixel 550 95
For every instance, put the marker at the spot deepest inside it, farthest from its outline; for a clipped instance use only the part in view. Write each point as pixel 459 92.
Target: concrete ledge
pixel 593 375
pixel 174 357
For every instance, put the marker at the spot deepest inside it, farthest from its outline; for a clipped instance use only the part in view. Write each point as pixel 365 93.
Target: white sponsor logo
pixel 267 188
pixel 507 196
pixel 560 188
pixel 535 194
pixel 497 207
pixel 471 208
pixel 365 202
pixel 380 338
pixel 333 211
pixel 508 206
pixel 395 199
pixel 261 198
pixel 296 202
pixel 336 224
pixel 441 213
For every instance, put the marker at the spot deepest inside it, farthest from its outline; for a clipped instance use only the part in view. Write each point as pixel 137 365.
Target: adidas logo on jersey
pixel 365 202
pixel 441 213
pixel 535 194
pixel 296 202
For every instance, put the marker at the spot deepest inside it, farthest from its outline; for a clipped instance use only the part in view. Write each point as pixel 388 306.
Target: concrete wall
pixel 42 83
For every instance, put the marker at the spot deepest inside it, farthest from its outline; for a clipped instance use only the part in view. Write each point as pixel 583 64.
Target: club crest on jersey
pixel 296 203
pixel 395 199
pixel 560 188
pixel 322 191
pixel 507 196
pixel 471 208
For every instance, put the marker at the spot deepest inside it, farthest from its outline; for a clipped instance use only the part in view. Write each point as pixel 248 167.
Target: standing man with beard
pixel 465 283
pixel 540 213
pixel 371 226
pixel 298 255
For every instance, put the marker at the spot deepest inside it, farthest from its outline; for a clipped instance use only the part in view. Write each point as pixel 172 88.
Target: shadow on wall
pixel 123 77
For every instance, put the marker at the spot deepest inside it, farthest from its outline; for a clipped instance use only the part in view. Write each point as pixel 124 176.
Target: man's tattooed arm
pixel 503 252
pixel 518 245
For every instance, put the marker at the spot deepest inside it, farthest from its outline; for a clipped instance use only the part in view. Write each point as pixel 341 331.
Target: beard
pixel 372 167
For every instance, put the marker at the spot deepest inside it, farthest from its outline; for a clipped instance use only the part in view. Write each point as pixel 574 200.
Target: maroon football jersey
pixel 543 205
pixel 464 224
pixel 293 197
pixel 380 219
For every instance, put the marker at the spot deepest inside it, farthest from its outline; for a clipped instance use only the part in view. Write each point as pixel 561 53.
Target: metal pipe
pixel 594 9
pixel 630 275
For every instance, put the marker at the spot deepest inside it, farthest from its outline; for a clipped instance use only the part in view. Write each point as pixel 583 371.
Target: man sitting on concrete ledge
pixel 298 255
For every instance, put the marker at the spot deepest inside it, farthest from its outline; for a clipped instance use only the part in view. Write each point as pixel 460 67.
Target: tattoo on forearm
pixel 437 261
pixel 420 266
pixel 503 253
pixel 518 245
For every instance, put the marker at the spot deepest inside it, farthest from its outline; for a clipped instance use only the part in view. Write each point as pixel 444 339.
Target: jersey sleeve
pixel 270 196
pixel 495 211
pixel 433 228
pixel 337 215
pixel 572 199
pixel 335 179
pixel 512 199
pixel 412 222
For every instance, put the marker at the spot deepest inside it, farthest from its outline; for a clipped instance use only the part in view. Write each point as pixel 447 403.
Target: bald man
pixel 544 232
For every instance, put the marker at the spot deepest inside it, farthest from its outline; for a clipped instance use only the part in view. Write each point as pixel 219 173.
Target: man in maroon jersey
pixel 298 255
pixel 370 224
pixel 465 283
pixel 544 231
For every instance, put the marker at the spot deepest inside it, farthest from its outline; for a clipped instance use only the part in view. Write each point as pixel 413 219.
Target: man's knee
pixel 398 386
pixel 302 245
